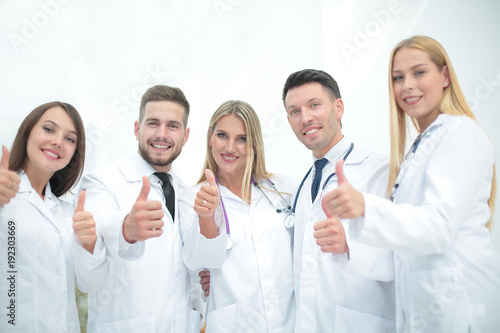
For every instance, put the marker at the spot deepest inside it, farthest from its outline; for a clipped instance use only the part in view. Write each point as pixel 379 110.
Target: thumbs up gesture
pixel 145 218
pixel 84 225
pixel 330 235
pixel 205 203
pixel 9 180
pixel 344 201
pixel 207 197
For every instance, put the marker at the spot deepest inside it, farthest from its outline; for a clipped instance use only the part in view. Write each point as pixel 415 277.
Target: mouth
pixel 311 131
pixel 51 154
pixel 412 99
pixel 160 146
pixel 229 158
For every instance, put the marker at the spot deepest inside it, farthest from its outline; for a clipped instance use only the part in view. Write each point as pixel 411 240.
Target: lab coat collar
pixel 135 167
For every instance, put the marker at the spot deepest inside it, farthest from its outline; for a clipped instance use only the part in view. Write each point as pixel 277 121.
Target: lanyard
pixel 289 221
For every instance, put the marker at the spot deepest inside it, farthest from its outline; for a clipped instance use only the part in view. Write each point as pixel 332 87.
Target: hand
pixel 344 201
pixel 9 180
pixel 207 197
pixel 84 225
pixel 330 235
pixel 205 282
pixel 145 218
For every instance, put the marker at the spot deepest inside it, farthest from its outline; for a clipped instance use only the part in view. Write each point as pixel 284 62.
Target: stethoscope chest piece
pixel 289 221
pixel 229 244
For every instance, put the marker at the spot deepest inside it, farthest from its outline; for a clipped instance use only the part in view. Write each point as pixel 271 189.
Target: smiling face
pixel 314 116
pixel 161 134
pixel 418 85
pixel 229 148
pixel 51 144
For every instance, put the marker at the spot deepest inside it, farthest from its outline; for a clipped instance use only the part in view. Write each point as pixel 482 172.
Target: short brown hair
pixel 164 93
pixel 63 180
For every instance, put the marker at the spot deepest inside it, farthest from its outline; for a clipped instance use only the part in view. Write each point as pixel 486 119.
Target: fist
pixel 330 235
pixel 84 225
pixel 145 218
pixel 207 197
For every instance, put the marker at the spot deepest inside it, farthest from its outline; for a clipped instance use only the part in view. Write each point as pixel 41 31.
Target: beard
pixel 160 161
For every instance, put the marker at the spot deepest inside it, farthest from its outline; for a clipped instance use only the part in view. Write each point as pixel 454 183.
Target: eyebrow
pixel 56 125
pixel 411 68
pixel 308 101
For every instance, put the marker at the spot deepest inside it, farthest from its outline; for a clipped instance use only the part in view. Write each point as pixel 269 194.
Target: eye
pixel 173 126
pixel 397 78
pixel 222 135
pixel 71 140
pixel 151 123
pixel 48 129
pixel 242 138
pixel 314 105
pixel 419 72
pixel 294 112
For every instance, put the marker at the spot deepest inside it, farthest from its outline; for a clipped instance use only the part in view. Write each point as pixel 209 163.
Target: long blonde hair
pixel 255 164
pixel 453 102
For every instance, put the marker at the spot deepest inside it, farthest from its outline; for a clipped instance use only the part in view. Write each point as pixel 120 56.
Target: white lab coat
pixel 251 285
pixel 39 276
pixel 330 297
pixel 144 287
pixel 447 274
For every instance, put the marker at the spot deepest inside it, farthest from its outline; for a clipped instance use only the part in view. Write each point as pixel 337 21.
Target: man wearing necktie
pixel 329 297
pixel 138 281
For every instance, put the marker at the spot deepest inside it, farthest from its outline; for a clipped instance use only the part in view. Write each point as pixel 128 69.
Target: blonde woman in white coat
pixel 37 291
pixel 236 231
pixel 447 273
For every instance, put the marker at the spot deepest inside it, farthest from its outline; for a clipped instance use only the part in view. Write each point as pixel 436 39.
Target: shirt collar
pixel 337 151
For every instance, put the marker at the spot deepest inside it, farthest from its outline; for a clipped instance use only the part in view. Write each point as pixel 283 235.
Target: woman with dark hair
pixel 36 228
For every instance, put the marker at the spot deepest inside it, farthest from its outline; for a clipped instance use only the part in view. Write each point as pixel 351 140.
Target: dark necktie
pixel 168 192
pixel 318 165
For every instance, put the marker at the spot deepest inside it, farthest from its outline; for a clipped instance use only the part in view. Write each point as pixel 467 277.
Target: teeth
pixel 51 154
pixel 411 99
pixel 160 146
pixel 311 131
pixel 229 158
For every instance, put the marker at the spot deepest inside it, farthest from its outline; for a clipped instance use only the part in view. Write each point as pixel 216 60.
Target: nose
pixel 231 146
pixel 306 116
pixel 162 131
pixel 408 83
pixel 57 140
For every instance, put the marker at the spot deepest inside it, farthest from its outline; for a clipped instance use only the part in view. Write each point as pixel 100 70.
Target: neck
pixel 38 181
pixel 233 184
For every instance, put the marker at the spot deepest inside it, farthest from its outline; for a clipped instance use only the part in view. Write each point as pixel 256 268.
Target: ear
pixel 186 136
pixel 339 108
pixel 137 128
pixel 446 75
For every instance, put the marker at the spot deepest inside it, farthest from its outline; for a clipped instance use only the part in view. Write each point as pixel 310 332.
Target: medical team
pixel 364 243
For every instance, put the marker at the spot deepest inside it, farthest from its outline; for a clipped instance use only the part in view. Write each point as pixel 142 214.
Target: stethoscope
pixel 406 165
pixel 289 221
pixel 230 242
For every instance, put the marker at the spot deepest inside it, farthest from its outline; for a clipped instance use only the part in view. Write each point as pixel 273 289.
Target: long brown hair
pixel 63 180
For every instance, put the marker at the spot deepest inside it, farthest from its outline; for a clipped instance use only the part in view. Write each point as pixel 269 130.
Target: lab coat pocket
pixel 437 301
pixel 195 318
pixel 224 320
pixel 350 321
pixel 142 324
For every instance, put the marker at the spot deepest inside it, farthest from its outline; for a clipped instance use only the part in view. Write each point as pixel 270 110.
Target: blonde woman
pixel 236 228
pixel 442 195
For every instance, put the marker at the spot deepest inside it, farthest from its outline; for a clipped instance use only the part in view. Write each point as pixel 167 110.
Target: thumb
pixel 339 171
pixel 4 163
pixel 325 208
pixel 146 186
pixel 81 202
pixel 210 177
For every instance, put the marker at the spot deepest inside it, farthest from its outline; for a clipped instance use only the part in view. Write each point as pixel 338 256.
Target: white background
pixel 101 56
